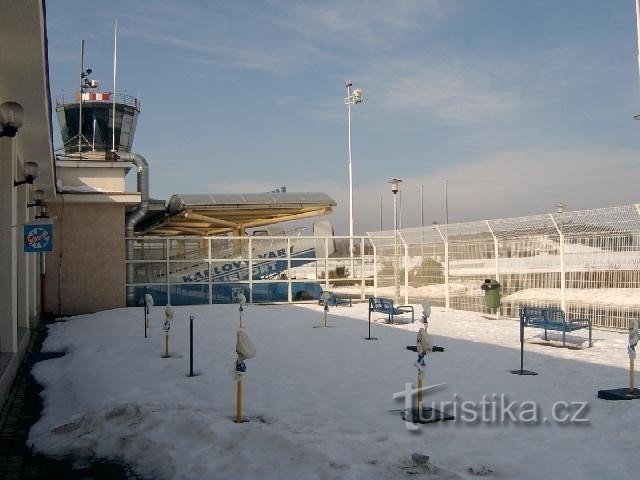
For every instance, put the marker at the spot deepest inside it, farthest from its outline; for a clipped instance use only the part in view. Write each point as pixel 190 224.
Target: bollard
pixel 245 350
pixel 168 316
pixel 423 345
pixel 145 316
pixel 147 302
pixel 241 299
pixel 239 400
pixel 325 297
pixel 191 345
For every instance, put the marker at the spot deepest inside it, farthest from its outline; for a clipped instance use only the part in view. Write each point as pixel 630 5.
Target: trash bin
pixel 492 293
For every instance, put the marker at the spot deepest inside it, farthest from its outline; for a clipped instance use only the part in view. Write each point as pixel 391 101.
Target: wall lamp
pixel 11 118
pixel 38 198
pixel 30 170
pixel 43 212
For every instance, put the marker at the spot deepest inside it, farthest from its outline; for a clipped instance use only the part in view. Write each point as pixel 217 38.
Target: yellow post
pixel 420 381
pixel 325 318
pixel 239 401
pixel 632 375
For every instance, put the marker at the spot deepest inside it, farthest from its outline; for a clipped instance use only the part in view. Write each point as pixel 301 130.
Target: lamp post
pixel 395 187
pixel 353 97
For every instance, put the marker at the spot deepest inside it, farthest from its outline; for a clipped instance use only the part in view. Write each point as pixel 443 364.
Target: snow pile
pixel 320 399
pixel 618 297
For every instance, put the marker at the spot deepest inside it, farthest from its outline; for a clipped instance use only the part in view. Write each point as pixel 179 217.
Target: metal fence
pixel 585 262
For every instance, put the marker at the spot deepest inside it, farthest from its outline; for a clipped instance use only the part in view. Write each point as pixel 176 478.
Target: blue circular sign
pixel 38 238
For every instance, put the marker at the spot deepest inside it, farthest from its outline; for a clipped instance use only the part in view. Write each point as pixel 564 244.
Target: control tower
pixel 92 203
pixel 96 111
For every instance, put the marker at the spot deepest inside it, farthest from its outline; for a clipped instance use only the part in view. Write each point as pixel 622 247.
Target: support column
pixel 8 264
pixel 22 258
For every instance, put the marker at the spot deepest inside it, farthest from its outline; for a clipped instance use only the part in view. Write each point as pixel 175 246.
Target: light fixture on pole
pixel 353 97
pixel 395 187
pixel 11 118
pixel 30 170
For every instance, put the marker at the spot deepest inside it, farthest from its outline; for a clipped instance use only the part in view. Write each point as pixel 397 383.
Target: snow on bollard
pixel 241 299
pixel 148 303
pixel 325 297
pixel 416 413
pixel 166 326
pixel 631 350
pixel 630 393
pixel 245 350
pixel 423 346
pixel 426 311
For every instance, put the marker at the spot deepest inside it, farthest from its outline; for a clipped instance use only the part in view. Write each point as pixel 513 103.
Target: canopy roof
pixel 215 214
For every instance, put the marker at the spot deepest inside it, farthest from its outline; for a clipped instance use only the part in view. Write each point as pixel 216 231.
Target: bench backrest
pixel 541 315
pixel 554 315
pixel 381 304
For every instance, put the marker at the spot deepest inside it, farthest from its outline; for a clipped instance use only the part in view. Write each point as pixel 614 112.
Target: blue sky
pixel 518 104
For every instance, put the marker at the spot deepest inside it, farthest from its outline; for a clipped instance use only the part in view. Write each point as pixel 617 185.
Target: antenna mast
pixel 115 59
pixel 638 29
pixel 81 90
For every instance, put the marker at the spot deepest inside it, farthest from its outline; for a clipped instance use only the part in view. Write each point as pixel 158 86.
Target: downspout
pixel 134 217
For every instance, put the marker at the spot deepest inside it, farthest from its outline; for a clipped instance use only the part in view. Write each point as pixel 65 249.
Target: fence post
pixel 362 268
pixel 250 270
pixel 446 273
pixel 210 270
pixel 495 246
pixel 446 267
pixel 375 266
pixel 289 270
pixel 406 269
pixel 563 299
pixel 326 262
pixel 167 243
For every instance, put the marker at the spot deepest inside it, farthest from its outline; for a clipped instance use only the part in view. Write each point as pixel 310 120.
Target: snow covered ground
pixel 320 399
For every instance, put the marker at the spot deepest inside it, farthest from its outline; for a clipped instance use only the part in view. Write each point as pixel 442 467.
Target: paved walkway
pixel 21 410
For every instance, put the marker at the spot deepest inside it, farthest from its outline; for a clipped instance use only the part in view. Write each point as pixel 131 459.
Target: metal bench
pixel 385 305
pixel 334 301
pixel 552 319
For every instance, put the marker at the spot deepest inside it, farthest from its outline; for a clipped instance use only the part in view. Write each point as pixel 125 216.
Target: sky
pixel 518 106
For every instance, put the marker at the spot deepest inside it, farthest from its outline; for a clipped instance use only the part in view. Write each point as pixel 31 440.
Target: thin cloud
pixel 369 23
pixel 457 94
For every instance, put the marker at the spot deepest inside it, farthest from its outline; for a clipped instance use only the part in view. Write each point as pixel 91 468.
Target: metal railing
pixel 195 270
pixel 586 262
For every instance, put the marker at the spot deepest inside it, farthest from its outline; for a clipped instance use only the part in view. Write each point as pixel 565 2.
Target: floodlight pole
pixel 353 97
pixel 394 188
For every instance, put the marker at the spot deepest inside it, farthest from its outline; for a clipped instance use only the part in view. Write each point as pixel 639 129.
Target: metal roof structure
pixel 216 214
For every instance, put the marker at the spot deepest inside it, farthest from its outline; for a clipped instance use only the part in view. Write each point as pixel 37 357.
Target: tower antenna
pixel 115 60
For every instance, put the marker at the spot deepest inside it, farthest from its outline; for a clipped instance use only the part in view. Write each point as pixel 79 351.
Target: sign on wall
pixel 38 237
